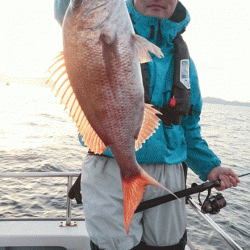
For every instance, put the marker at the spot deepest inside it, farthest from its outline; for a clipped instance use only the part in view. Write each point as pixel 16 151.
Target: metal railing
pixel 70 176
pixel 214 226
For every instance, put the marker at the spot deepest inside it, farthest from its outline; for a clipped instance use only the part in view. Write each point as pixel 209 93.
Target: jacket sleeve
pixel 200 158
pixel 60 7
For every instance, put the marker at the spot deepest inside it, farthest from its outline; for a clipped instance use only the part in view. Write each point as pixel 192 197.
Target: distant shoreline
pixel 9 80
pixel 223 102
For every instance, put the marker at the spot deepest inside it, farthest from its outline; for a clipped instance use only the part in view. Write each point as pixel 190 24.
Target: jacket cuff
pixel 202 172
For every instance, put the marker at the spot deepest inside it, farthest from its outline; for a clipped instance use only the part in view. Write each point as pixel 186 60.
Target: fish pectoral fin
pixel 142 48
pixel 149 125
pixel 133 190
pixel 60 84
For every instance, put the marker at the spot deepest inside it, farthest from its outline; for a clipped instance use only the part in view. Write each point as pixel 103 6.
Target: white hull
pixel 44 233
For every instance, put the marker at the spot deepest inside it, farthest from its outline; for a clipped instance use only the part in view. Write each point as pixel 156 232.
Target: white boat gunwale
pixel 78 231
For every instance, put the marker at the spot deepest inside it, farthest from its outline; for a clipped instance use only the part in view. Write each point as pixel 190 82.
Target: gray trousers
pixel 102 195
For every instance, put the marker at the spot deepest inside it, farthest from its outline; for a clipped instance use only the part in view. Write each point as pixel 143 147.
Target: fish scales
pixel 108 94
pixel 102 56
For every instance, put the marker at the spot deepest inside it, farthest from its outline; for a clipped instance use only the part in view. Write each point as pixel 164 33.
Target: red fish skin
pixel 110 92
pixel 104 72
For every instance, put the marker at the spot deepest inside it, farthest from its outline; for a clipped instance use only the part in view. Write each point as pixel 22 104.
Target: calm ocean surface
pixel 38 136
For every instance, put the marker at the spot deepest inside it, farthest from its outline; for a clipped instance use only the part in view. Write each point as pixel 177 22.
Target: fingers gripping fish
pixel 98 77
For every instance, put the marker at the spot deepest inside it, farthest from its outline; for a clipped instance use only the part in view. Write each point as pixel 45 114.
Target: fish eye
pixel 76 3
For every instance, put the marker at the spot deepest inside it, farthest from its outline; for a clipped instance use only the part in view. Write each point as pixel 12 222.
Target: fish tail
pixel 133 190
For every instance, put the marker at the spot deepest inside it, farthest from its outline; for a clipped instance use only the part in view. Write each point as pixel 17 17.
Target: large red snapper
pixel 98 77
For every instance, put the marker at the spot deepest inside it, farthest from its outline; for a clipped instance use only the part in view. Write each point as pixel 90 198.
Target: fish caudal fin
pixel 150 123
pixel 133 190
pixel 59 82
pixel 142 48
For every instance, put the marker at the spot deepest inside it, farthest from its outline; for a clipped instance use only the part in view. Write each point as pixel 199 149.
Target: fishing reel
pixel 212 204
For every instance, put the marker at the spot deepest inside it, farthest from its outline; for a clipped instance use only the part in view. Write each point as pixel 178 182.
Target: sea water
pixel 37 135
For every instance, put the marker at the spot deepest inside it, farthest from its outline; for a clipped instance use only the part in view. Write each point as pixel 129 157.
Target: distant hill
pixel 220 101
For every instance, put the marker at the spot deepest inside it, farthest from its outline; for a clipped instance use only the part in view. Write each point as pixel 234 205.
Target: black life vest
pixel 180 102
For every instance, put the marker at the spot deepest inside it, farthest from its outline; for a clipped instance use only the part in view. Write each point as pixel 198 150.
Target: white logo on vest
pixel 184 73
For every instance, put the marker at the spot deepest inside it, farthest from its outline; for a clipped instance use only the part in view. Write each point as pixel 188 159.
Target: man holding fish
pixel 104 90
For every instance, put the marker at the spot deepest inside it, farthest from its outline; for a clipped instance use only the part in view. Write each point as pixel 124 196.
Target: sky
pixel 217 36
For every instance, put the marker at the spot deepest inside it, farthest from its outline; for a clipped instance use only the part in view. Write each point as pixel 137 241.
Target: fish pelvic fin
pixel 142 48
pixel 133 190
pixel 59 83
pixel 149 125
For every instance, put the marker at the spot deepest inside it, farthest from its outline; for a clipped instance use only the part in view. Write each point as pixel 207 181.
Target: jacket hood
pixel 159 31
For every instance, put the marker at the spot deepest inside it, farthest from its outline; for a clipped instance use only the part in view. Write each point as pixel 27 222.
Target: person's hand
pixel 227 176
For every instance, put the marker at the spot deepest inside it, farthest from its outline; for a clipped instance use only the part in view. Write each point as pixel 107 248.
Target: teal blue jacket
pixel 180 143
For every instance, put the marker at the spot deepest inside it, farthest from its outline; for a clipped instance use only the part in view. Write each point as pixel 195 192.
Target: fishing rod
pixel 75 193
pixel 243 175
pixel 187 192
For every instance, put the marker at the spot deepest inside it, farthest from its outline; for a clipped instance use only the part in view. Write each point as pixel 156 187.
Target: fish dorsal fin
pixel 60 84
pixel 142 47
pixel 150 123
